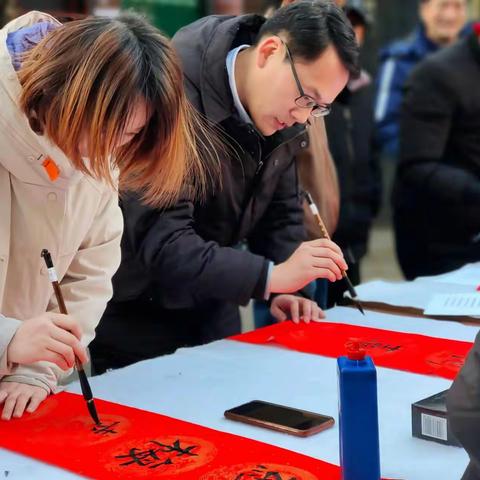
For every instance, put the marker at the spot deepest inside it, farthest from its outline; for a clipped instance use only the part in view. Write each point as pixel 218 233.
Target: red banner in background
pixel 401 351
pixel 135 444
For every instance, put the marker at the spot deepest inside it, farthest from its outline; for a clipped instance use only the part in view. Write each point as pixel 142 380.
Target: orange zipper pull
pixel 51 168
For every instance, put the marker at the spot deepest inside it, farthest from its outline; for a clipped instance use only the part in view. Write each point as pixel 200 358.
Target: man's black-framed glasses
pixel 304 100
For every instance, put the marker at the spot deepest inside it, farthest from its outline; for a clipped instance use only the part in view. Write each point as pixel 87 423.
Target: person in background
pixel 84 106
pixel 9 9
pixel 436 196
pixel 226 7
pixel 441 22
pixel 184 272
pixel 350 131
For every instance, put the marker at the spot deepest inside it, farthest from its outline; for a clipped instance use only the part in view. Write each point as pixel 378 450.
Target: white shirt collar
pixel 230 62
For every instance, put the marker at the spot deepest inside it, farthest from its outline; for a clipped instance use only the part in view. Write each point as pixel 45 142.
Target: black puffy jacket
pixel 437 189
pixel 183 268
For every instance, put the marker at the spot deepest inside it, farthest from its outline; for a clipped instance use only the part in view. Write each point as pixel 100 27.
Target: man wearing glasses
pixel 186 270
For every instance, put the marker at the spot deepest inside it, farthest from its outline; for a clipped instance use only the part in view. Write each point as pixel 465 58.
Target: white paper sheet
pixel 460 304
pixel 415 294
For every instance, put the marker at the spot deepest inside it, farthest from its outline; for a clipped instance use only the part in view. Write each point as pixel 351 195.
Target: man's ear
pixel 266 49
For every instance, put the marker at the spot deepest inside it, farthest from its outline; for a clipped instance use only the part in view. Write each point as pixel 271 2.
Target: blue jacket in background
pixel 396 62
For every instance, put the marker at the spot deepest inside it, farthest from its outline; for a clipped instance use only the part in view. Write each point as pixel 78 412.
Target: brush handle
pixel 318 218
pixel 350 287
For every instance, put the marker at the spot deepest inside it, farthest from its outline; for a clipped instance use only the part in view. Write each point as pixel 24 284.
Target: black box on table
pixel 429 420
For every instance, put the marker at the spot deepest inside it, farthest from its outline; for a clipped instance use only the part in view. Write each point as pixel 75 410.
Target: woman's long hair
pixel 82 81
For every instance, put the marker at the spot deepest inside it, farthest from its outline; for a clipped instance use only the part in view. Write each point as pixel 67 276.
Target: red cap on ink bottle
pixel 354 351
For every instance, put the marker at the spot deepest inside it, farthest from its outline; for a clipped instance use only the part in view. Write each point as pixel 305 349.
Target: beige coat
pixel 75 217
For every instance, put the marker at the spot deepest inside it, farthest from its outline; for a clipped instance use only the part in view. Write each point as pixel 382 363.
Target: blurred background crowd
pixel 404 146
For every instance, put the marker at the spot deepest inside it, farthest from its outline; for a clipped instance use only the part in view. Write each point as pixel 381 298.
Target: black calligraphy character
pixel 275 476
pixel 176 448
pixel 153 458
pixel 255 473
pixel 456 361
pixel 103 429
pixel 139 457
pixel 448 360
pixel 393 349
pixel 373 344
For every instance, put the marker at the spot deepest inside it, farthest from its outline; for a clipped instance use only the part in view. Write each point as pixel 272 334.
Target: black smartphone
pixel 278 417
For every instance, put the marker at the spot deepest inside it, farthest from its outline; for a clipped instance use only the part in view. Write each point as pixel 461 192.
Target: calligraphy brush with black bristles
pixel 86 390
pixel 318 218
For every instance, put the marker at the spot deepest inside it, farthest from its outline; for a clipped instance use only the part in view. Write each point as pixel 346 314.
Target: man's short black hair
pixel 310 26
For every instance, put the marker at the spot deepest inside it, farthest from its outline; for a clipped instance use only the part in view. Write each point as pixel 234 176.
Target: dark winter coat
pixel 183 272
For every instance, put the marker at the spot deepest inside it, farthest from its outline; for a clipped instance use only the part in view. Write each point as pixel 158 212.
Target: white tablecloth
pixel 198 384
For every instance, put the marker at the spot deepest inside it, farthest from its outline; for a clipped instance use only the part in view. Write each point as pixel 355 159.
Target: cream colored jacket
pixel 75 217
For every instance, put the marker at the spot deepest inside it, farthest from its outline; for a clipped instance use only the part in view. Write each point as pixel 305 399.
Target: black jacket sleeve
pixel 281 230
pixel 186 269
pixel 426 122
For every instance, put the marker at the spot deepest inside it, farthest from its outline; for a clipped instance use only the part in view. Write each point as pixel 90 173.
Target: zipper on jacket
pixel 347 115
pixel 252 131
pixel 259 168
pixel 251 190
pixel 258 173
pixel 254 182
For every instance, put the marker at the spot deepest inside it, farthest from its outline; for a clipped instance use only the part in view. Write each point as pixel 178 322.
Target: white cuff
pixel 268 287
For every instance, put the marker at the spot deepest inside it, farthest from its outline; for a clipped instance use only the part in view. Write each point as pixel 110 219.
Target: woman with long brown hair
pixel 85 107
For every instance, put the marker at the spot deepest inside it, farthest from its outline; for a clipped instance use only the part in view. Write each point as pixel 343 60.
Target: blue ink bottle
pixel 358 415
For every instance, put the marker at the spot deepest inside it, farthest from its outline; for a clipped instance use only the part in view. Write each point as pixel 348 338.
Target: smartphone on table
pixel 278 417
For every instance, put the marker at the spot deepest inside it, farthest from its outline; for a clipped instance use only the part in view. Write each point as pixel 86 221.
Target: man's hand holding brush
pixel 320 258
pixel 315 259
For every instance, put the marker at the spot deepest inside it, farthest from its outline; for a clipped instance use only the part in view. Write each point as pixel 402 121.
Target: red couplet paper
pixel 135 444
pixel 400 351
